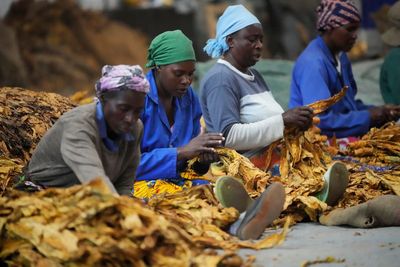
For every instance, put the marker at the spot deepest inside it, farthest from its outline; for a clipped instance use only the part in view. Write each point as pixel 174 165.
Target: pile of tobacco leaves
pixel 306 156
pixel 25 116
pixel 87 225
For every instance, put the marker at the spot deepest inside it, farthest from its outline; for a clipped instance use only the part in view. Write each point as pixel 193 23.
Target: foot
pixel 231 192
pixel 262 212
pixel 336 180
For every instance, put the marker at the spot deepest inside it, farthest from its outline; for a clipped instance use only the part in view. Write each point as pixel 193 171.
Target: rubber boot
pixel 262 212
pixel 336 180
pixel 231 192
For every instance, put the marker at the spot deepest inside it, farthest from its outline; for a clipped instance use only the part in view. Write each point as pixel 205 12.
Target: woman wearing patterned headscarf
pixel 171 120
pixel 323 69
pixel 97 140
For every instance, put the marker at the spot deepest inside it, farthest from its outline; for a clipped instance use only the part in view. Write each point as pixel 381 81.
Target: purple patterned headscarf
pixel 336 13
pixel 115 78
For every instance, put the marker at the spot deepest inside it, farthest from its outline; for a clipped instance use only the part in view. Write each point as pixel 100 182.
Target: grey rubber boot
pixel 262 212
pixel 379 212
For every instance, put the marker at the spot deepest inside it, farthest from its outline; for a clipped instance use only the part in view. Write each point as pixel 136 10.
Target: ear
pixel 230 41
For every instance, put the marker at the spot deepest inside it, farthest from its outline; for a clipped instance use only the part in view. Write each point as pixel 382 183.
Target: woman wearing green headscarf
pixel 171 119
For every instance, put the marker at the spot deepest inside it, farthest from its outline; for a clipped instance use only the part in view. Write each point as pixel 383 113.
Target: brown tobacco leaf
pixel 380 146
pixel 25 116
pixel 322 105
pixel 234 164
pixel 197 212
pixel 9 168
pixel 88 226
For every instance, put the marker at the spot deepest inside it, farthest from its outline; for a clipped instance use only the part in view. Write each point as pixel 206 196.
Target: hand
pixel 299 118
pixel 208 158
pixel 202 144
pixel 383 114
pixel 393 112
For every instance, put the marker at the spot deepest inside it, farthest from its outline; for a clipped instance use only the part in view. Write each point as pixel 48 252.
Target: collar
pixel 229 65
pixel 321 43
pixel 111 144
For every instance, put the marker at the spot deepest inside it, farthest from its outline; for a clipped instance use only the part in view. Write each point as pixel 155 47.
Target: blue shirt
pixel 111 144
pixel 160 142
pixel 315 77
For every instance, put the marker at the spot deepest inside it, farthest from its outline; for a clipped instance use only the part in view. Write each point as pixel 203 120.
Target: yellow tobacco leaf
pixel 321 105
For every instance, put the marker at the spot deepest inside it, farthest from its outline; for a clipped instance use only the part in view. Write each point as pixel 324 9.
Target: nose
pixel 130 117
pixel 259 44
pixel 186 79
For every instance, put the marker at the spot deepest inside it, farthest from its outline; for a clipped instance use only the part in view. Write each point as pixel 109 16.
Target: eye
pixel 178 73
pixel 123 108
pixel 254 39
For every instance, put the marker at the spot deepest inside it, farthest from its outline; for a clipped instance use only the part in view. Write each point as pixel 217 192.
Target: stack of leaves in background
pixel 25 116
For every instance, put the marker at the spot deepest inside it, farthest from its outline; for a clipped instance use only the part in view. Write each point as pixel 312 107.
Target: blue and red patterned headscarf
pixel 118 77
pixel 332 14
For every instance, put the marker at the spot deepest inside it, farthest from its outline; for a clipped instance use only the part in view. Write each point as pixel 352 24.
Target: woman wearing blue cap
pixel 237 102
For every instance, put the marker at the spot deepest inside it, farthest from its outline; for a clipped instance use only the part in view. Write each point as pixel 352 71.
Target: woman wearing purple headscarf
pixel 323 69
pixel 97 140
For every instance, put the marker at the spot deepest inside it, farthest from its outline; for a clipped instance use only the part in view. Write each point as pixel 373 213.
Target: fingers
pixel 208 157
pixel 211 139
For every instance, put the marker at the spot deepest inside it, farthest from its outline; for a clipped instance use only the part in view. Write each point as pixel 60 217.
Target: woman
pixel 171 119
pixel 323 69
pixel 97 140
pixel 249 117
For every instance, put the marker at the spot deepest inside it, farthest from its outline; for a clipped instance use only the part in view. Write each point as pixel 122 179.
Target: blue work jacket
pixel 159 142
pixel 315 77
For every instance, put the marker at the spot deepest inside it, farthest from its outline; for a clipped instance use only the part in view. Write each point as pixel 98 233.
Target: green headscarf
pixel 170 47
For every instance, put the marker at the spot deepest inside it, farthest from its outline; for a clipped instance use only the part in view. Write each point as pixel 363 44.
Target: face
pixel 122 109
pixel 175 79
pixel 245 45
pixel 344 38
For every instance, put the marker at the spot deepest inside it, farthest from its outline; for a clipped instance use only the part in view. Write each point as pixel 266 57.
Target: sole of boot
pixel 338 180
pixel 262 212
pixel 231 192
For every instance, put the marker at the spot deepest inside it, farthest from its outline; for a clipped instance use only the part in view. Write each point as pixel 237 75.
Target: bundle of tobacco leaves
pixel 198 212
pixel 380 146
pixel 25 116
pixel 366 184
pixel 374 165
pixel 234 164
pixel 87 226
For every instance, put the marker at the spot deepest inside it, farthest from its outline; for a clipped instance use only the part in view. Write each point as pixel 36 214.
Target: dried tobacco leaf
pixel 25 116
pixel 322 105
pixel 380 146
pixel 88 226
